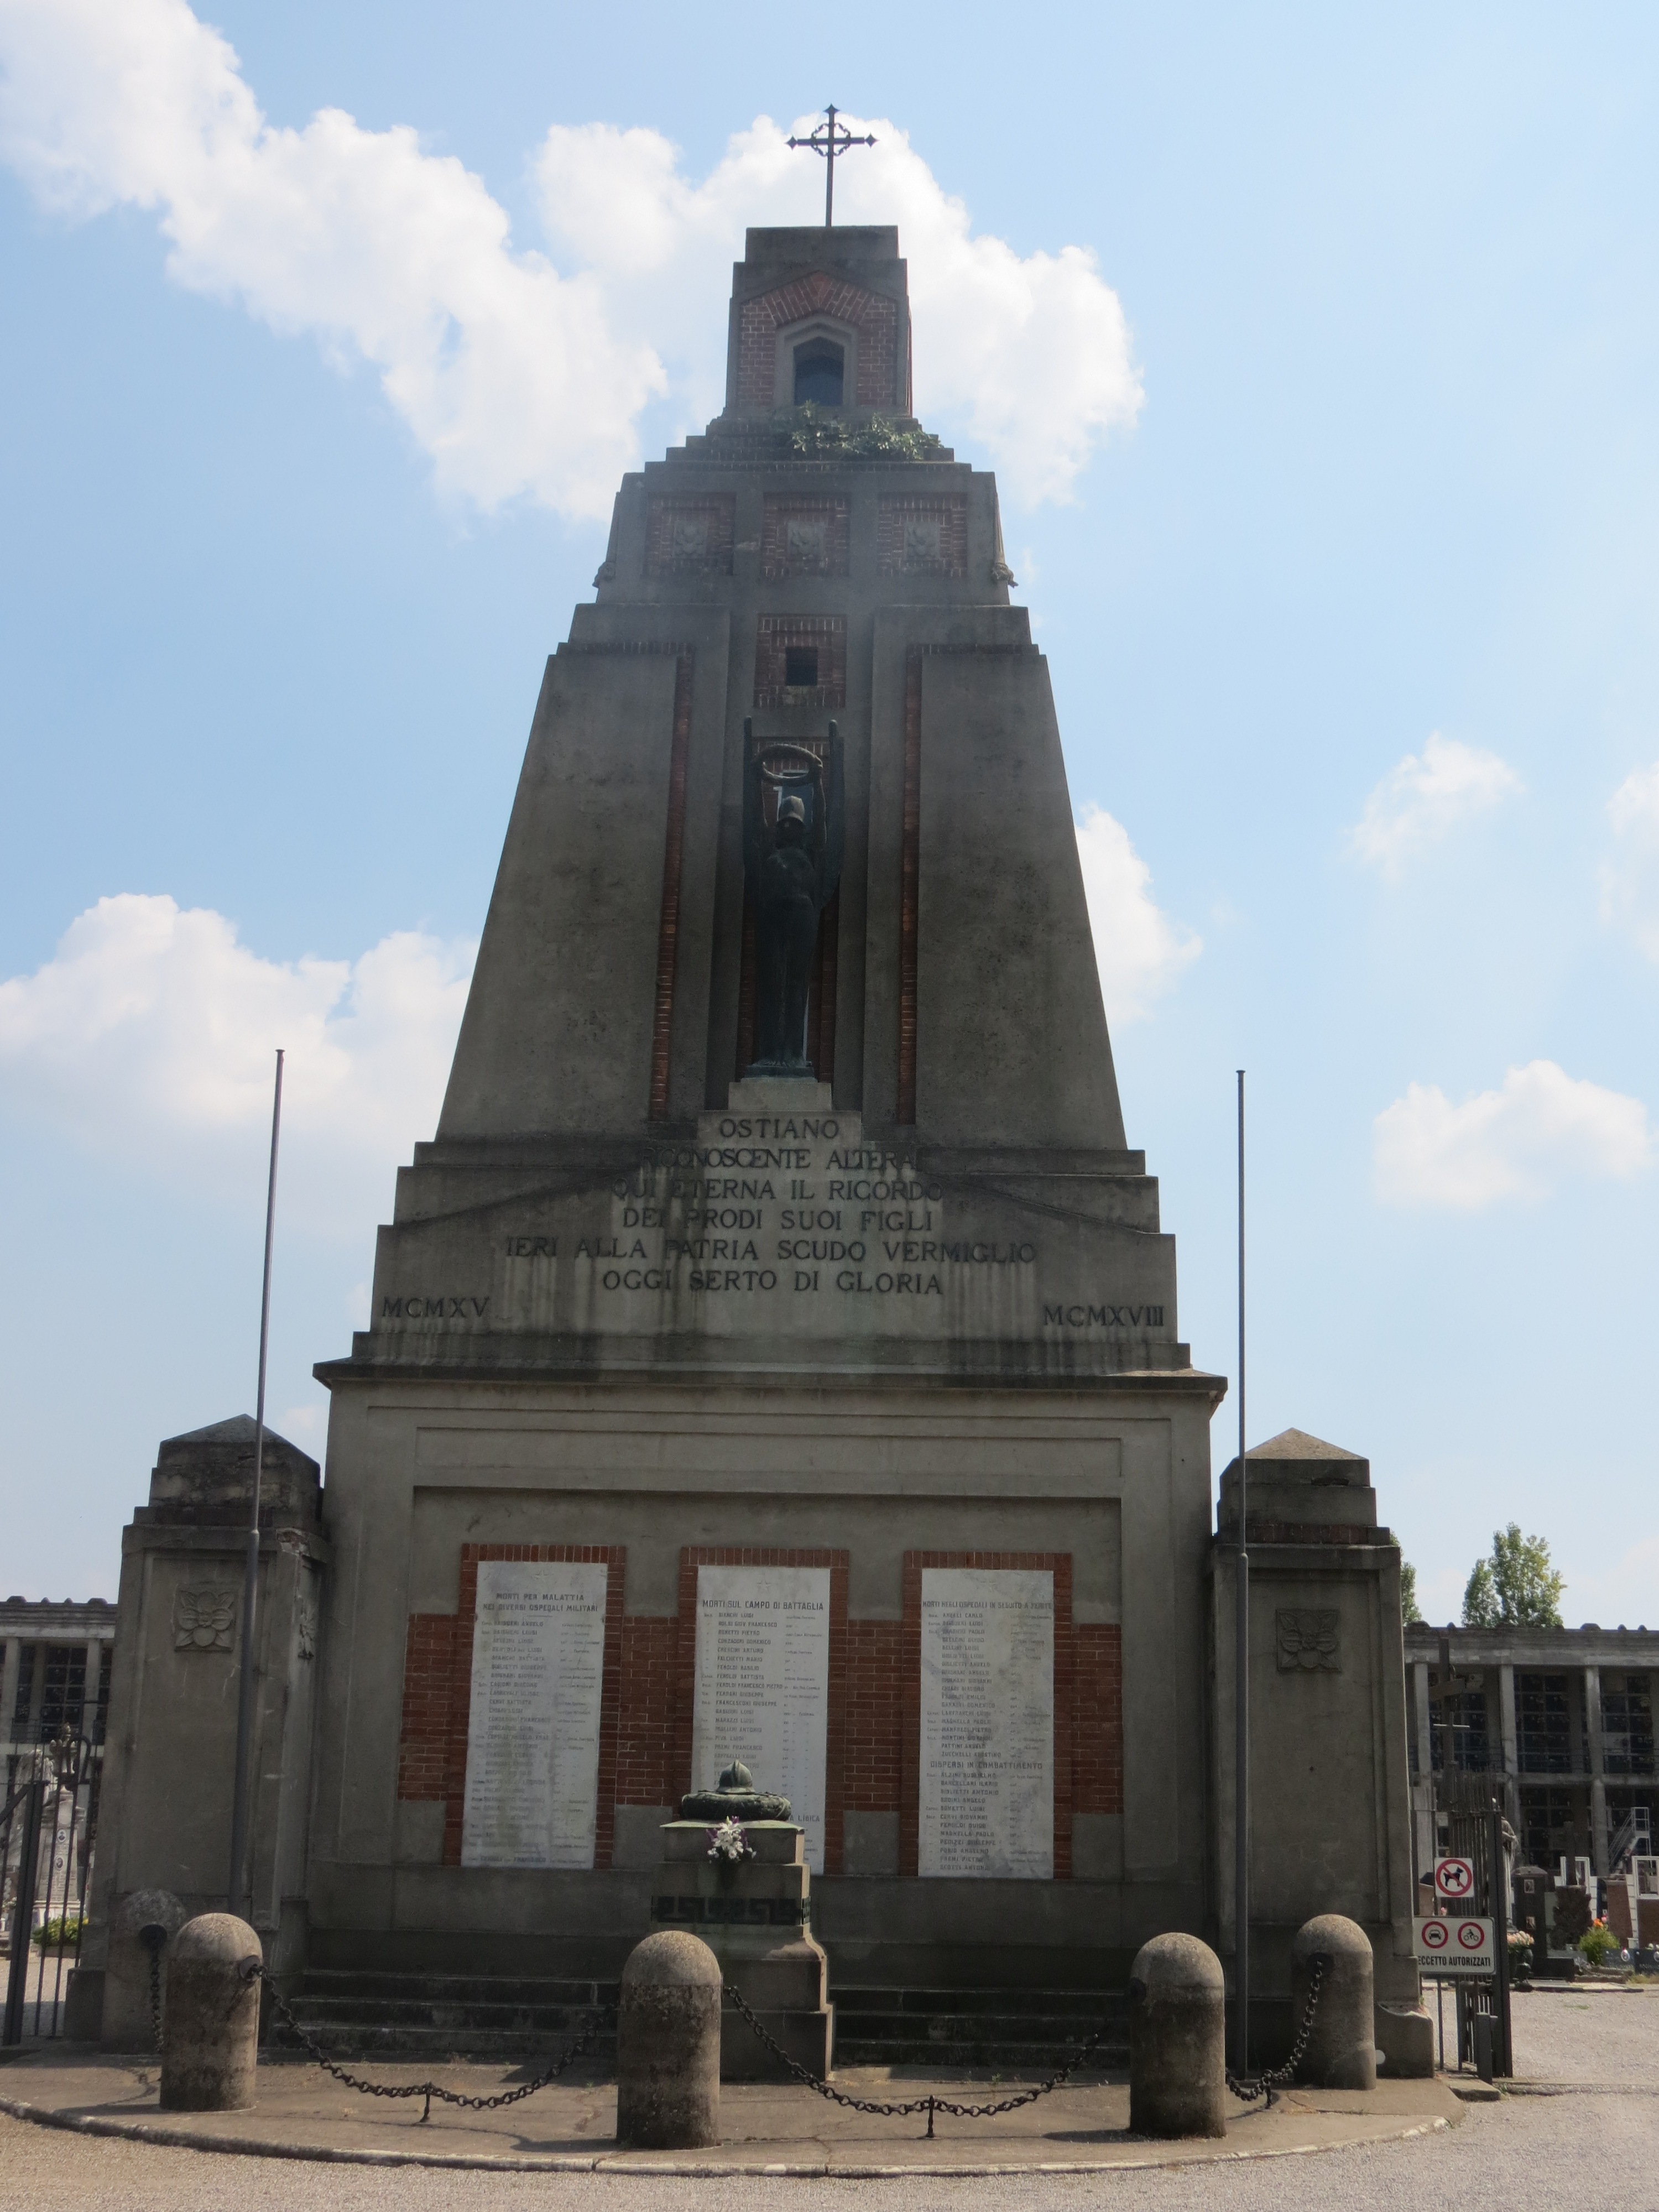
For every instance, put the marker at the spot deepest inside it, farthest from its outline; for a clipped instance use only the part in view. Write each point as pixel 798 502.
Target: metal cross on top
pixel 829 139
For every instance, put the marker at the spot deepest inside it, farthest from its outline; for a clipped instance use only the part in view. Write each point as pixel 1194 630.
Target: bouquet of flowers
pixel 728 1845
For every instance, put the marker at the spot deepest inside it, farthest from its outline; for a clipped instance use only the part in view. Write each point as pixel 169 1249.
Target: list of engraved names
pixel 533 1750
pixel 763 1684
pixel 987 1723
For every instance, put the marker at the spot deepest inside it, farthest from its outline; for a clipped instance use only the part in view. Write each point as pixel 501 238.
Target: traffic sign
pixel 1462 1944
pixel 1454 1879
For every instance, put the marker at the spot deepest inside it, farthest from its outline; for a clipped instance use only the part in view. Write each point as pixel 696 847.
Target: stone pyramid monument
pixel 802 633
pixel 774 1359
pixel 779 1244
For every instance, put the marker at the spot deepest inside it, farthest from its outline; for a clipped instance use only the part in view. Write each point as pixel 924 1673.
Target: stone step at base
pixel 1033 2032
pixel 440 2045
pixel 1034 2059
pixel 322 2014
pixel 394 2016
pixel 917 2034
pixel 1086 2005
pixel 334 1982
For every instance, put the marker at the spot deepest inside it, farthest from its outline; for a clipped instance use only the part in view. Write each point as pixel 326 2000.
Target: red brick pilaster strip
pixel 1098 1775
pixel 909 862
pixel 668 926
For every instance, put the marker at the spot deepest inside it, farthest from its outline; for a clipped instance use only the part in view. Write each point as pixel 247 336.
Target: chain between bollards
pixel 254 1969
pixel 929 2104
pixel 154 1937
pixel 1266 2083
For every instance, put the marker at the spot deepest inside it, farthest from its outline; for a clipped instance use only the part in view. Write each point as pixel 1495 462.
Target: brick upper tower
pixel 832 302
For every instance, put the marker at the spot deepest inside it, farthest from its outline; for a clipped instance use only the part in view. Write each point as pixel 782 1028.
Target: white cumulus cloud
pixel 516 377
pixel 1140 951
pixel 1630 880
pixel 1425 795
pixel 1539 1127
pixel 508 374
pixel 150 1035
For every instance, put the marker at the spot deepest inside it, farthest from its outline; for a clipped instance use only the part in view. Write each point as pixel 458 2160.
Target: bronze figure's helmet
pixel 791 807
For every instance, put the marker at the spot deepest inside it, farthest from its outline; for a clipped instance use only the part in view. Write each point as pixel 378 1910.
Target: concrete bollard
pixel 1177 2039
pixel 210 2028
pixel 668 2045
pixel 1341 2052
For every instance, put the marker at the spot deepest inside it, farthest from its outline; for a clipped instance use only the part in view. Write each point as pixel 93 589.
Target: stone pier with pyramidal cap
pixel 774 1355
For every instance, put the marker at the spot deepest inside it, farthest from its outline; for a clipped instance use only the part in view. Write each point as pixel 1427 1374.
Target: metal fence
pixel 1483 2007
pixel 48 1826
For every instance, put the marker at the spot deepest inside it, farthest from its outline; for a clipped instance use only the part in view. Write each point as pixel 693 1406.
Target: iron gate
pixel 48 1826
pixel 1483 2007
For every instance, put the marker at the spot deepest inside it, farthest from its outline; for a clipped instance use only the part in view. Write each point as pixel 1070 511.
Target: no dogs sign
pixel 1453 1880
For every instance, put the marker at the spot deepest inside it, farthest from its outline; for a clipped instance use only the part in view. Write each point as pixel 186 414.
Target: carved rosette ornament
pixel 1310 1640
pixel 204 1620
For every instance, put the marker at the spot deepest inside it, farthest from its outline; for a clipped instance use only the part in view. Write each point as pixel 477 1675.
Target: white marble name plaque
pixel 532 1744
pixel 987 1723
pixel 763 1684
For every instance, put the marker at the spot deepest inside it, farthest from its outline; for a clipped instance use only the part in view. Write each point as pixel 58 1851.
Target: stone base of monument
pixel 754 1915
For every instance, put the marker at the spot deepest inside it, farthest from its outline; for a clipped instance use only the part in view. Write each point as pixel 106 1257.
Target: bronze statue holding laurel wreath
pixel 792 865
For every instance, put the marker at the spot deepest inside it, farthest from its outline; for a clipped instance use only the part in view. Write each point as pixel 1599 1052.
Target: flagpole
pixel 1242 1670
pixel 240 1883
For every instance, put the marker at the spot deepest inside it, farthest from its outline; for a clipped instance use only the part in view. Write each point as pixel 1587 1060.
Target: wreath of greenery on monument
pixel 812 430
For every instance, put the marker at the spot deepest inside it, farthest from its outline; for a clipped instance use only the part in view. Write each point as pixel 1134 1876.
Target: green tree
pixel 1409 1609
pixel 1516 1587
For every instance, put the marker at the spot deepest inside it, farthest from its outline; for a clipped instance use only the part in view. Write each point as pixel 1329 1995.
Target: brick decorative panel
pixel 875 1715
pixel 689 536
pixel 777 634
pixel 429 1677
pixel 693 1556
pixel 1059 1563
pixel 645 1751
pixel 874 319
pixel 804 537
pixel 1097 1720
pixel 434 1726
pixel 923 537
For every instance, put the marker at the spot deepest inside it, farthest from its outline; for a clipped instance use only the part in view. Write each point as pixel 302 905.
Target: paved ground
pixel 1593 2148
pixel 772 2128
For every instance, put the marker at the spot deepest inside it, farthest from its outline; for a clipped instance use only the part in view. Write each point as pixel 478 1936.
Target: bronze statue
pixel 791 866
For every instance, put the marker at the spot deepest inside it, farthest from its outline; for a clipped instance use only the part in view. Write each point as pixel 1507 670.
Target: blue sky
pixel 1329 470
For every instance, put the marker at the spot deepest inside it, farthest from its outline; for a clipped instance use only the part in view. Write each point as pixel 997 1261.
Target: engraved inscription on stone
pixel 1310 1640
pixel 763 1684
pixel 987 1723
pixel 533 1746
pixel 785 1222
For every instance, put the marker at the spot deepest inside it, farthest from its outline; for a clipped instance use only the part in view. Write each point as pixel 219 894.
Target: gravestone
pixel 773 1351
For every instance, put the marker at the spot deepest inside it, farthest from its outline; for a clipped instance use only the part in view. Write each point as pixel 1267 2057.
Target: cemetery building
pixel 1556 1722
pixel 55 1659
pixel 775 1351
